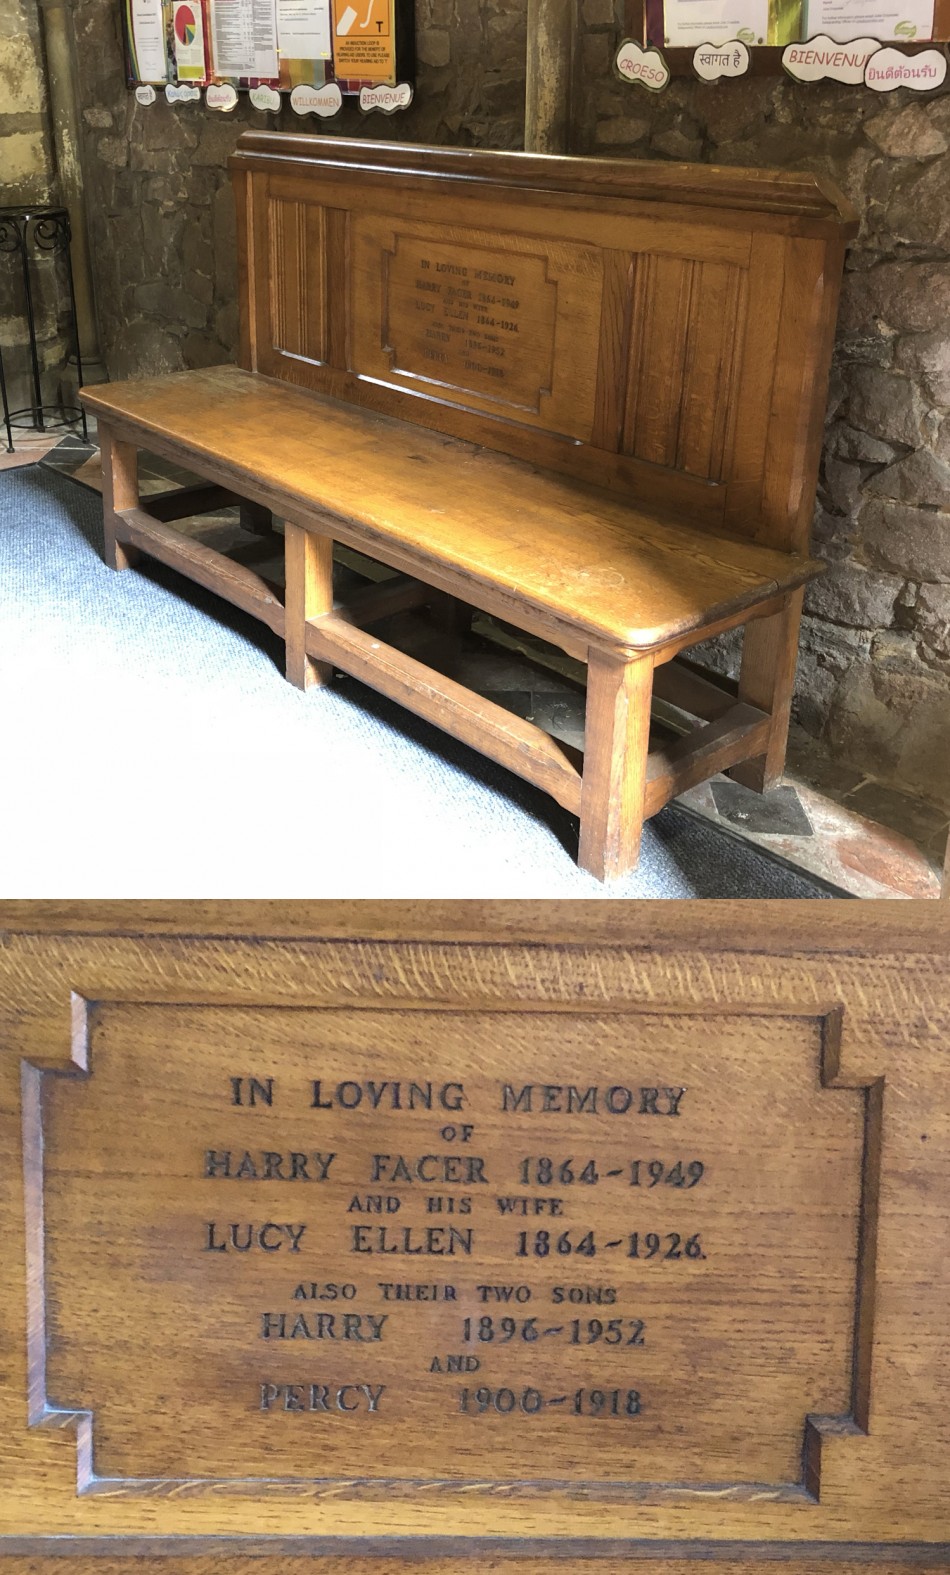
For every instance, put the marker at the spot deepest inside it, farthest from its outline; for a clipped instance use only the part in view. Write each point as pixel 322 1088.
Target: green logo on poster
pixel 905 30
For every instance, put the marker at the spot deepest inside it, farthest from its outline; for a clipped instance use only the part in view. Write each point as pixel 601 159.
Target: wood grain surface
pixel 768 1082
pixel 605 568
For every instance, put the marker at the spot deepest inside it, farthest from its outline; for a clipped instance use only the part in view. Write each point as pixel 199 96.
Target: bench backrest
pixel 661 330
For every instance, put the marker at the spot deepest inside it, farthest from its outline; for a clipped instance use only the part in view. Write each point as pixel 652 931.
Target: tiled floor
pixel 864 838
pixel 28 447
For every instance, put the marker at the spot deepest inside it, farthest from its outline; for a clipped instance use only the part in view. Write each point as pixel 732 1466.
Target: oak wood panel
pixel 298 279
pixel 709 409
pixel 543 215
pixel 658 334
pixel 613 352
pixel 810 1044
pixel 883 929
pixel 499 324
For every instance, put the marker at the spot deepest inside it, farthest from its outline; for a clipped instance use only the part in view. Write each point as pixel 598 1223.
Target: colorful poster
pixel 145 26
pixel 191 64
pixel 364 41
pixel 689 23
pixel 303 29
pixel 904 20
pixel 244 34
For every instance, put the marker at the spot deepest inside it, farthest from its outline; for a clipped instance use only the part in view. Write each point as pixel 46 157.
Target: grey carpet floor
pixel 153 749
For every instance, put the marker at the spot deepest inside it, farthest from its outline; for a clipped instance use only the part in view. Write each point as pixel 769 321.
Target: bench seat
pixel 602 568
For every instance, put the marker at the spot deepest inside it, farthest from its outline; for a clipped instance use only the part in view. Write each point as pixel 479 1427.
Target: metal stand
pixel 23 233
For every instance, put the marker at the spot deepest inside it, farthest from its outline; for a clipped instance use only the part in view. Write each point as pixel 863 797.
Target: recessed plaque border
pixel 42 1413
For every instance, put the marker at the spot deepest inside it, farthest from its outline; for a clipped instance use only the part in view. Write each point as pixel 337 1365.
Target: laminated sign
pixel 364 41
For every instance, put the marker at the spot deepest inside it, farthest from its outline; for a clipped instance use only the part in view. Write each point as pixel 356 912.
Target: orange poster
pixel 364 41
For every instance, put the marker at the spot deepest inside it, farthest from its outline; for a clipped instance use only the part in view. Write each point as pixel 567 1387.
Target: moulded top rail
pixel 790 193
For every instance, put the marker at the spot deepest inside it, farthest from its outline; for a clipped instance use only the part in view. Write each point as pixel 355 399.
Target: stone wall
pixel 874 675
pixel 26 167
pixel 163 225
pixel 26 175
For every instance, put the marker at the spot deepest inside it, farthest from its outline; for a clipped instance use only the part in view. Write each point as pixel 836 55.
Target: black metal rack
pixel 25 232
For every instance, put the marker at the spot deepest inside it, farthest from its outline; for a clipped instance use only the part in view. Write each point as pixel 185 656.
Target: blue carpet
pixel 155 750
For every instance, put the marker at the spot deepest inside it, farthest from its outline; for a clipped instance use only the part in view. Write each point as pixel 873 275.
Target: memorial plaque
pixel 566 1236
pixel 490 314
pixel 471 1245
pixel 480 318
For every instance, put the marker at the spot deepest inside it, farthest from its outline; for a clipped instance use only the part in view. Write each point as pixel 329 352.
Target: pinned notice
pixel 245 39
pixel 303 29
pixel 843 20
pixel 145 22
pixel 191 63
pixel 364 44
pixel 688 23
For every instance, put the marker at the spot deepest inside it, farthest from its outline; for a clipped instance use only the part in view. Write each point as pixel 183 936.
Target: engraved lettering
pixel 416 1293
pixel 232 1165
pixel 387 1095
pixel 363 1328
pixel 464 1169
pixel 243 1238
pixel 525 1206
pixel 432 1240
pixel 616 1100
pixel 257 1091
pixel 328 1292
pixel 321 1397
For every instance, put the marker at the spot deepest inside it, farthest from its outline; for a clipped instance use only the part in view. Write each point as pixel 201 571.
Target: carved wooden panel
pixel 658 311
pixel 448 1228
pixel 298 278
pixel 614 1236
pixel 686 337
pixel 498 322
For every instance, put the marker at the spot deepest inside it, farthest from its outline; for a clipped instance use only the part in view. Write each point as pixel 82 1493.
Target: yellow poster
pixel 364 41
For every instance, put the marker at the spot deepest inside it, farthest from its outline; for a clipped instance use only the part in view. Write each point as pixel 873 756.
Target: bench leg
pixel 255 518
pixel 120 490
pixel 451 615
pixel 617 742
pixel 767 680
pixel 309 569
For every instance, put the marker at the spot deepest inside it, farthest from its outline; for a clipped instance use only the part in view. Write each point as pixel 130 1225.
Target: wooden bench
pixel 582 396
